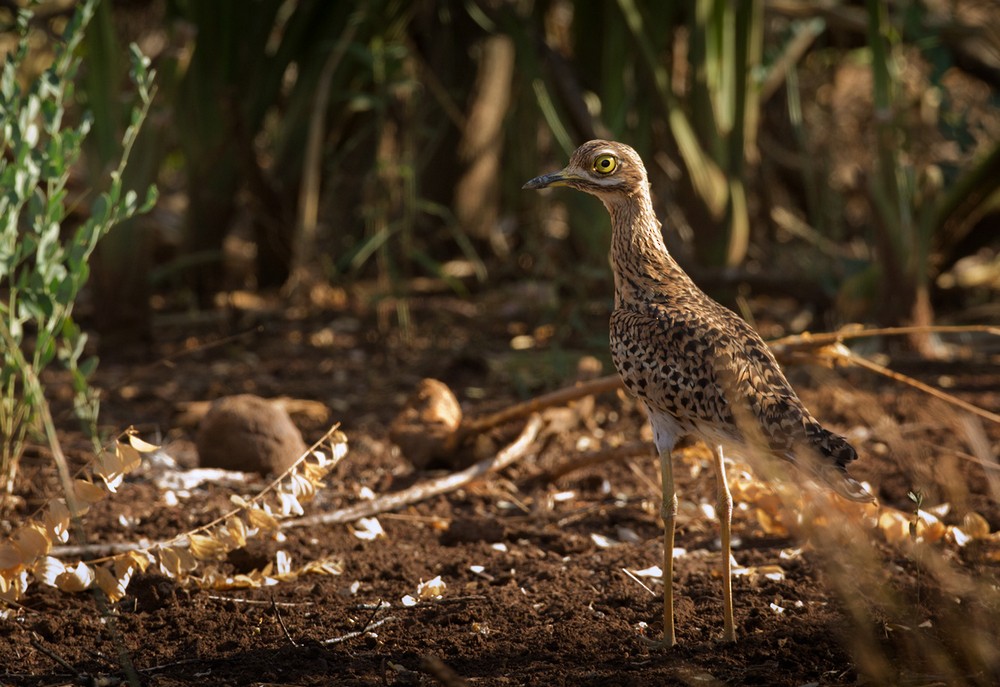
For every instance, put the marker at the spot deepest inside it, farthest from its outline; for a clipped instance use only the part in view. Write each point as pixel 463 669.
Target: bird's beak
pixel 553 179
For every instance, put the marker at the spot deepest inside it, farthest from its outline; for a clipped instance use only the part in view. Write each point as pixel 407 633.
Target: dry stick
pixel 556 398
pixel 810 340
pixel 591 458
pixel 937 393
pixel 281 622
pixel 357 633
pixel 98 553
pixel 55 657
pixel 428 488
pixel 34 384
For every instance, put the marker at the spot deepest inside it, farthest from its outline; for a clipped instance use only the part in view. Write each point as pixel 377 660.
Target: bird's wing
pixel 706 366
pixel 701 365
pixel 712 372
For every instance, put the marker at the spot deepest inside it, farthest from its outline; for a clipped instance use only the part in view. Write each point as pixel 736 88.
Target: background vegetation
pixel 845 155
pixel 846 150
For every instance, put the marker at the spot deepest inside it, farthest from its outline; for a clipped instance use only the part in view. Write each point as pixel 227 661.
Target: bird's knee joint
pixel 725 505
pixel 668 511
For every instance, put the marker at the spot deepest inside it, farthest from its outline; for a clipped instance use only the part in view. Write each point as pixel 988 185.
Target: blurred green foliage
pixel 386 140
pixel 44 253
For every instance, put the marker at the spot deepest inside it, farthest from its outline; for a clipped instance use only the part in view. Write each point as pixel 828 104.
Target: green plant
pixel 121 264
pixel 715 123
pixel 43 257
pixel 917 212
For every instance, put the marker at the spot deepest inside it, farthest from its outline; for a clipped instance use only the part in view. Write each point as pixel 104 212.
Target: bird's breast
pixel 659 369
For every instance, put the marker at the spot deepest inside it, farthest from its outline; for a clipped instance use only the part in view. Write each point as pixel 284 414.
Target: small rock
pixel 249 434
pixel 425 429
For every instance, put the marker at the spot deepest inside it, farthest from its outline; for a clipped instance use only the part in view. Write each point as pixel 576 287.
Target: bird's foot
pixel 729 636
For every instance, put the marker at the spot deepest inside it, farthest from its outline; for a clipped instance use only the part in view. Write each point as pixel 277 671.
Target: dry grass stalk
pixel 431 487
pixel 29 554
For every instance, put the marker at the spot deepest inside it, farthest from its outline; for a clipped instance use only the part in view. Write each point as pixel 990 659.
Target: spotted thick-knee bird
pixel 698 368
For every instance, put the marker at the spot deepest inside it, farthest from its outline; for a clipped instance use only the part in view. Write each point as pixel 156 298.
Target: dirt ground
pixel 536 589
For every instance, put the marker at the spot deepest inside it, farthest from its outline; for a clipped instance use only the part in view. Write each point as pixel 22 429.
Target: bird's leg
pixel 724 510
pixel 669 513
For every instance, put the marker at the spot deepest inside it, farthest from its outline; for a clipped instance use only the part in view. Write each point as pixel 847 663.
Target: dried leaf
pixel 338 446
pixel 111 585
pixel 283 563
pixel 239 582
pixel 14 585
pixel 33 541
pixel 975 526
pixel 313 472
pixel 128 456
pixel 929 527
pixel 237 531
pixel 324 566
pixel 75 579
pixel 10 556
pixel 771 524
pixel 88 492
pixel 603 542
pixel 289 505
pixel 139 559
pixel 301 487
pixel 368 529
pixel 186 561
pixel 57 521
pixel 140 445
pixel 261 520
pixel 771 572
pixel 47 569
pixel 431 589
pixel 894 525
pixel 170 562
pixel 205 547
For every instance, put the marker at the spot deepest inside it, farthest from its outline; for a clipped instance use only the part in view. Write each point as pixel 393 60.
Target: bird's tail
pixel 833 454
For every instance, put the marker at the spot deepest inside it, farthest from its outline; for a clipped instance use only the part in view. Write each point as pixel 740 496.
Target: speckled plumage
pixel 698 368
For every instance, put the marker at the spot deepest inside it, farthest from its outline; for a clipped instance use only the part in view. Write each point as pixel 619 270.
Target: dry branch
pixel 591 458
pixel 428 488
pixel 808 340
pixel 556 398
pixel 431 426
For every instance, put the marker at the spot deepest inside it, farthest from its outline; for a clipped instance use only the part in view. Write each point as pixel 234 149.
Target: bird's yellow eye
pixel 605 164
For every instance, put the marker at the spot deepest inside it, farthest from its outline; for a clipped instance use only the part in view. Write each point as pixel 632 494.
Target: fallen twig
pixel 281 622
pixel 368 628
pixel 811 340
pixel 431 427
pixel 591 458
pixel 556 398
pixel 81 678
pixel 428 488
pixel 861 361
pixel 97 553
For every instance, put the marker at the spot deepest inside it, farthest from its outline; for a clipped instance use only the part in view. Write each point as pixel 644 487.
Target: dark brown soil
pixel 548 606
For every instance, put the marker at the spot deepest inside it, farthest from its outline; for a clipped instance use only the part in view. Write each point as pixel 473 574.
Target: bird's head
pixel 605 169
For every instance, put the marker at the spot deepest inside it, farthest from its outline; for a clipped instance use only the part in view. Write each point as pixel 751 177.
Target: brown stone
pixel 250 434
pixel 425 430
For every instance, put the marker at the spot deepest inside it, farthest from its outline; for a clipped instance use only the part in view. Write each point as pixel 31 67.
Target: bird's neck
pixel 643 267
